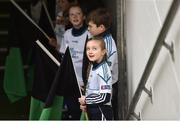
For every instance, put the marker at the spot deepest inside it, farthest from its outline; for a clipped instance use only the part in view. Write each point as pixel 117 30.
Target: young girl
pixel 75 39
pixel 97 101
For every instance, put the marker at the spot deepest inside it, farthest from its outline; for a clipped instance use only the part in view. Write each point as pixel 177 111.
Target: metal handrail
pixel 155 52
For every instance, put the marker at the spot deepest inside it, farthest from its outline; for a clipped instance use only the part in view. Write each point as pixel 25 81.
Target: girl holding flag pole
pixel 75 39
pixel 97 100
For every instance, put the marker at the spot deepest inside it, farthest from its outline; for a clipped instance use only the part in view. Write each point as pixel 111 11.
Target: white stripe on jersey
pixel 112 57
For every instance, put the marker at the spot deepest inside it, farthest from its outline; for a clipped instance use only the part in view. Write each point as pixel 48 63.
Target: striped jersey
pixel 99 85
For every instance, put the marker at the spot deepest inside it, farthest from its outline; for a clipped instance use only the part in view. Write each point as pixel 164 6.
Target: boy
pixel 99 22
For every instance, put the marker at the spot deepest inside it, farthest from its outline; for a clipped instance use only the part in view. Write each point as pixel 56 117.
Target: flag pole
pixel 47 52
pixel 30 19
pixel 47 13
pixel 80 90
pixel 38 42
pixel 76 76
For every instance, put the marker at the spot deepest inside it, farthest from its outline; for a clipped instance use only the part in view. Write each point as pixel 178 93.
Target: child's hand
pixel 82 103
pixel 82 100
pixel 83 108
pixel 53 42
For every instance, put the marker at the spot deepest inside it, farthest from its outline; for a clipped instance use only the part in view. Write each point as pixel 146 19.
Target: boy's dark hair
pixel 100 16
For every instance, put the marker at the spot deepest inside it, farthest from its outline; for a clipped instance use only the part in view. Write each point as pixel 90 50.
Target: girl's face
pixel 94 51
pixel 64 5
pixel 94 30
pixel 76 16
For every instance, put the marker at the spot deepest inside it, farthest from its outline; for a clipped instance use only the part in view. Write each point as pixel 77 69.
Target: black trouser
pixel 95 112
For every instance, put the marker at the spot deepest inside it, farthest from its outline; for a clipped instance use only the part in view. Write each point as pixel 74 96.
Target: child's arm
pixel 101 98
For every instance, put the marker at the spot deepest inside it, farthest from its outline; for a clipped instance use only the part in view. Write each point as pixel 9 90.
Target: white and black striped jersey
pixel 99 85
pixel 75 39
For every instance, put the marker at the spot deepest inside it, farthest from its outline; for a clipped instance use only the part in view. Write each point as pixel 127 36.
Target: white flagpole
pixel 47 52
pixel 79 86
pixel 38 42
pixel 25 14
pixel 76 74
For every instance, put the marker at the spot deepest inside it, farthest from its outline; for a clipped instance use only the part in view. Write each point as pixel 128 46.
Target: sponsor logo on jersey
pixel 103 87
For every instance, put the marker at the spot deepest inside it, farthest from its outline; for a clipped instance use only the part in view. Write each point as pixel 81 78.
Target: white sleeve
pixel 114 67
pixel 113 62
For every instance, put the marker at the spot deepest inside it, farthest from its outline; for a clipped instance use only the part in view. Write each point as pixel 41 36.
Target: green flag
pixel 83 116
pixel 38 112
pixel 14 80
pixel 55 111
pixel 36 107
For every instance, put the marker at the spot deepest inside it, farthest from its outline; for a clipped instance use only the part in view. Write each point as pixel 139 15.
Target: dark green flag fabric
pixel 83 116
pixel 38 112
pixel 36 107
pixel 14 80
pixel 55 111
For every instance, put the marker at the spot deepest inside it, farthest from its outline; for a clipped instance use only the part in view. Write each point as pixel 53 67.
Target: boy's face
pixel 76 17
pixel 94 30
